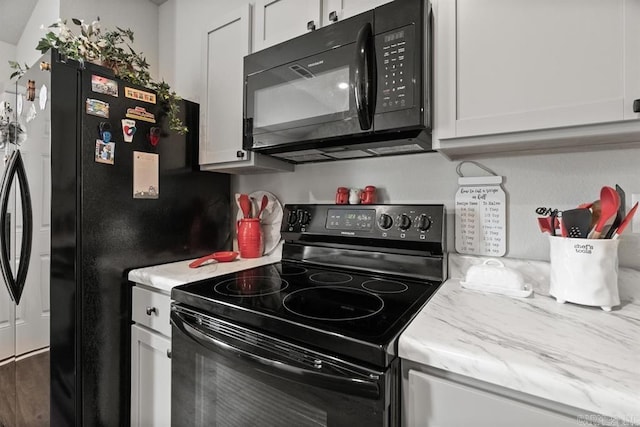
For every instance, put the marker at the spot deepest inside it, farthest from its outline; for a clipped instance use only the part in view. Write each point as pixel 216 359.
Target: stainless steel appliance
pixel 71 306
pixel 357 88
pixel 311 340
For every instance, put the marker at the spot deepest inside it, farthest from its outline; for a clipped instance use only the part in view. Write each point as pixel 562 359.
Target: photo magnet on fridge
pixel 104 85
pixel 95 107
pixel 105 152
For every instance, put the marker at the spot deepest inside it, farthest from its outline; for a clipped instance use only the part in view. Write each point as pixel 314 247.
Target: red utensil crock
pixel 250 238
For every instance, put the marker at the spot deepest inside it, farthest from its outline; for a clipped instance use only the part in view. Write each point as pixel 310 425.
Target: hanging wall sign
pixel 140 95
pixel 480 221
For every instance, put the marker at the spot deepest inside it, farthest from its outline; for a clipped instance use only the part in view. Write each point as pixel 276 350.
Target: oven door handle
pixel 346 384
pixel 364 87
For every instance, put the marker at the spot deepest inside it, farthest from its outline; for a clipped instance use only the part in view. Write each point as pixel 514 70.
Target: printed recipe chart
pixel 480 221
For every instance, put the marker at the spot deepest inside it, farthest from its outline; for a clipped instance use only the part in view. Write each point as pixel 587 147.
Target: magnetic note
pixel 146 176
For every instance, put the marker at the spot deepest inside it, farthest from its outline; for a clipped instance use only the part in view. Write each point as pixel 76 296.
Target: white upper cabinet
pixel 506 68
pixel 337 10
pixel 226 42
pixel 280 20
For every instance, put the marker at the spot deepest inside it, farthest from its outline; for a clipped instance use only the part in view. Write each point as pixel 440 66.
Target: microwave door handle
pixel 346 384
pixel 364 79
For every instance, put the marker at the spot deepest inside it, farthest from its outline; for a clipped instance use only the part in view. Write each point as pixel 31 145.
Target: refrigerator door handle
pixel 15 167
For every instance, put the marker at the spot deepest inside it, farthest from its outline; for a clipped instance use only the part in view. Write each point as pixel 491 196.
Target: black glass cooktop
pixel 345 312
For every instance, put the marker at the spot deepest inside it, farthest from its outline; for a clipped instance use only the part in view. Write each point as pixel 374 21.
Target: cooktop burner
pixel 250 285
pixel 333 303
pixel 292 270
pixel 384 286
pixel 330 278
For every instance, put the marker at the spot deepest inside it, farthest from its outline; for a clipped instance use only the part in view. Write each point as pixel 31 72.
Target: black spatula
pixel 577 222
pixel 619 215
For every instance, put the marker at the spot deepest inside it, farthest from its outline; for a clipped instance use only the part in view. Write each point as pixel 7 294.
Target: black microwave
pixel 357 88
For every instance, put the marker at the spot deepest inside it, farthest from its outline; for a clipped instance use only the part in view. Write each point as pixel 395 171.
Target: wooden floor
pixel 29 403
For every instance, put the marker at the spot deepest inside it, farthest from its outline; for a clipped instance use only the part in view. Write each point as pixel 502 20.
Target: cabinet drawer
pixel 151 309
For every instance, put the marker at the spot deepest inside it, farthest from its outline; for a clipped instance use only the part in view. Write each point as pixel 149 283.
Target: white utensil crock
pixel 584 271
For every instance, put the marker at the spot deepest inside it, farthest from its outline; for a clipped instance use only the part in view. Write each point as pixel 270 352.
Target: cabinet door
pixel 280 20
pixel 344 9
pixel 150 378
pixel 226 43
pixel 517 65
pixel 436 402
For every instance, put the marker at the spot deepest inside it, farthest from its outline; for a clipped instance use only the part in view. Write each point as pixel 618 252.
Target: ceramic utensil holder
pixel 584 271
pixel 250 238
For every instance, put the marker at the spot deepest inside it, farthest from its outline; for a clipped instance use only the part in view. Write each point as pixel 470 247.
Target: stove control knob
pixel 423 223
pixel 385 222
pixel 304 217
pixel 405 222
pixel 292 218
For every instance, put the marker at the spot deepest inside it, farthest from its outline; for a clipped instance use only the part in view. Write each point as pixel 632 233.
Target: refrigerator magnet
pixel 95 107
pixel 105 152
pixel 140 113
pixel 104 128
pixel 128 129
pixel 140 95
pixel 146 175
pixel 154 136
pixel 104 85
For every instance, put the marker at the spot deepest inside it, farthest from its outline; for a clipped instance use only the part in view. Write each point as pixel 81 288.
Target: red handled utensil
pixel 545 225
pixel 609 203
pixel 224 256
pixel 263 204
pixel 245 205
pixel 627 219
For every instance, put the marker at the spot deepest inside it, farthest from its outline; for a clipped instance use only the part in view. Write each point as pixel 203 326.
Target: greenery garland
pixel 111 49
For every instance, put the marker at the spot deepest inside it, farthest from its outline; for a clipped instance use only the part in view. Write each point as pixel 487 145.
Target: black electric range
pixel 351 279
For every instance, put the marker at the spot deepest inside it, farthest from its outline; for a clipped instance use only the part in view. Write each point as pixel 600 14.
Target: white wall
pixel 45 13
pixel 559 181
pixel 7 53
pixel 141 16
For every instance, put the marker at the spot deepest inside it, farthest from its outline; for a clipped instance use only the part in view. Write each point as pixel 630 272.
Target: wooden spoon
pixel 609 203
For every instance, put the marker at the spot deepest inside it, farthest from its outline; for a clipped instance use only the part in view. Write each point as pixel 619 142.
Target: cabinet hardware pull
pixel 239 154
pixel 169 353
pixel 151 310
pixel 636 106
pixel 311 25
pixel 333 16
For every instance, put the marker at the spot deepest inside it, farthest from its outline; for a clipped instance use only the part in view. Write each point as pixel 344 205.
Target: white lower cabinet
pixel 433 401
pixel 150 359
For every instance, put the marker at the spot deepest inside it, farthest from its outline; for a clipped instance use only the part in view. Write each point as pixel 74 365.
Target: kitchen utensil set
pixel 246 203
pixel 589 220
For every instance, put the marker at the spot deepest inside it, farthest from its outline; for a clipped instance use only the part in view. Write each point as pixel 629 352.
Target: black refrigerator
pixel 114 206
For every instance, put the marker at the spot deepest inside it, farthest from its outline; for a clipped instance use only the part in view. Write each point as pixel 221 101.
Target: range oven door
pixel 227 375
pixel 320 97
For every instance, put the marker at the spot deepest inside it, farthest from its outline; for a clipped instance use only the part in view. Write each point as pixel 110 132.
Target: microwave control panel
pixel 395 69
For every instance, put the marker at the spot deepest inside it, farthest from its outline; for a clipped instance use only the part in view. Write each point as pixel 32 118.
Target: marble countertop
pixel 575 355
pixel 165 276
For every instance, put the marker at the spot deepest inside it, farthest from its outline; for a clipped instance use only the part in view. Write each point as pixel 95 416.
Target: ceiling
pixel 14 15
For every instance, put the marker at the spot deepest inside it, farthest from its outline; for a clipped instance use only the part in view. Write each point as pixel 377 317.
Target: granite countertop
pixel 165 276
pixel 579 356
